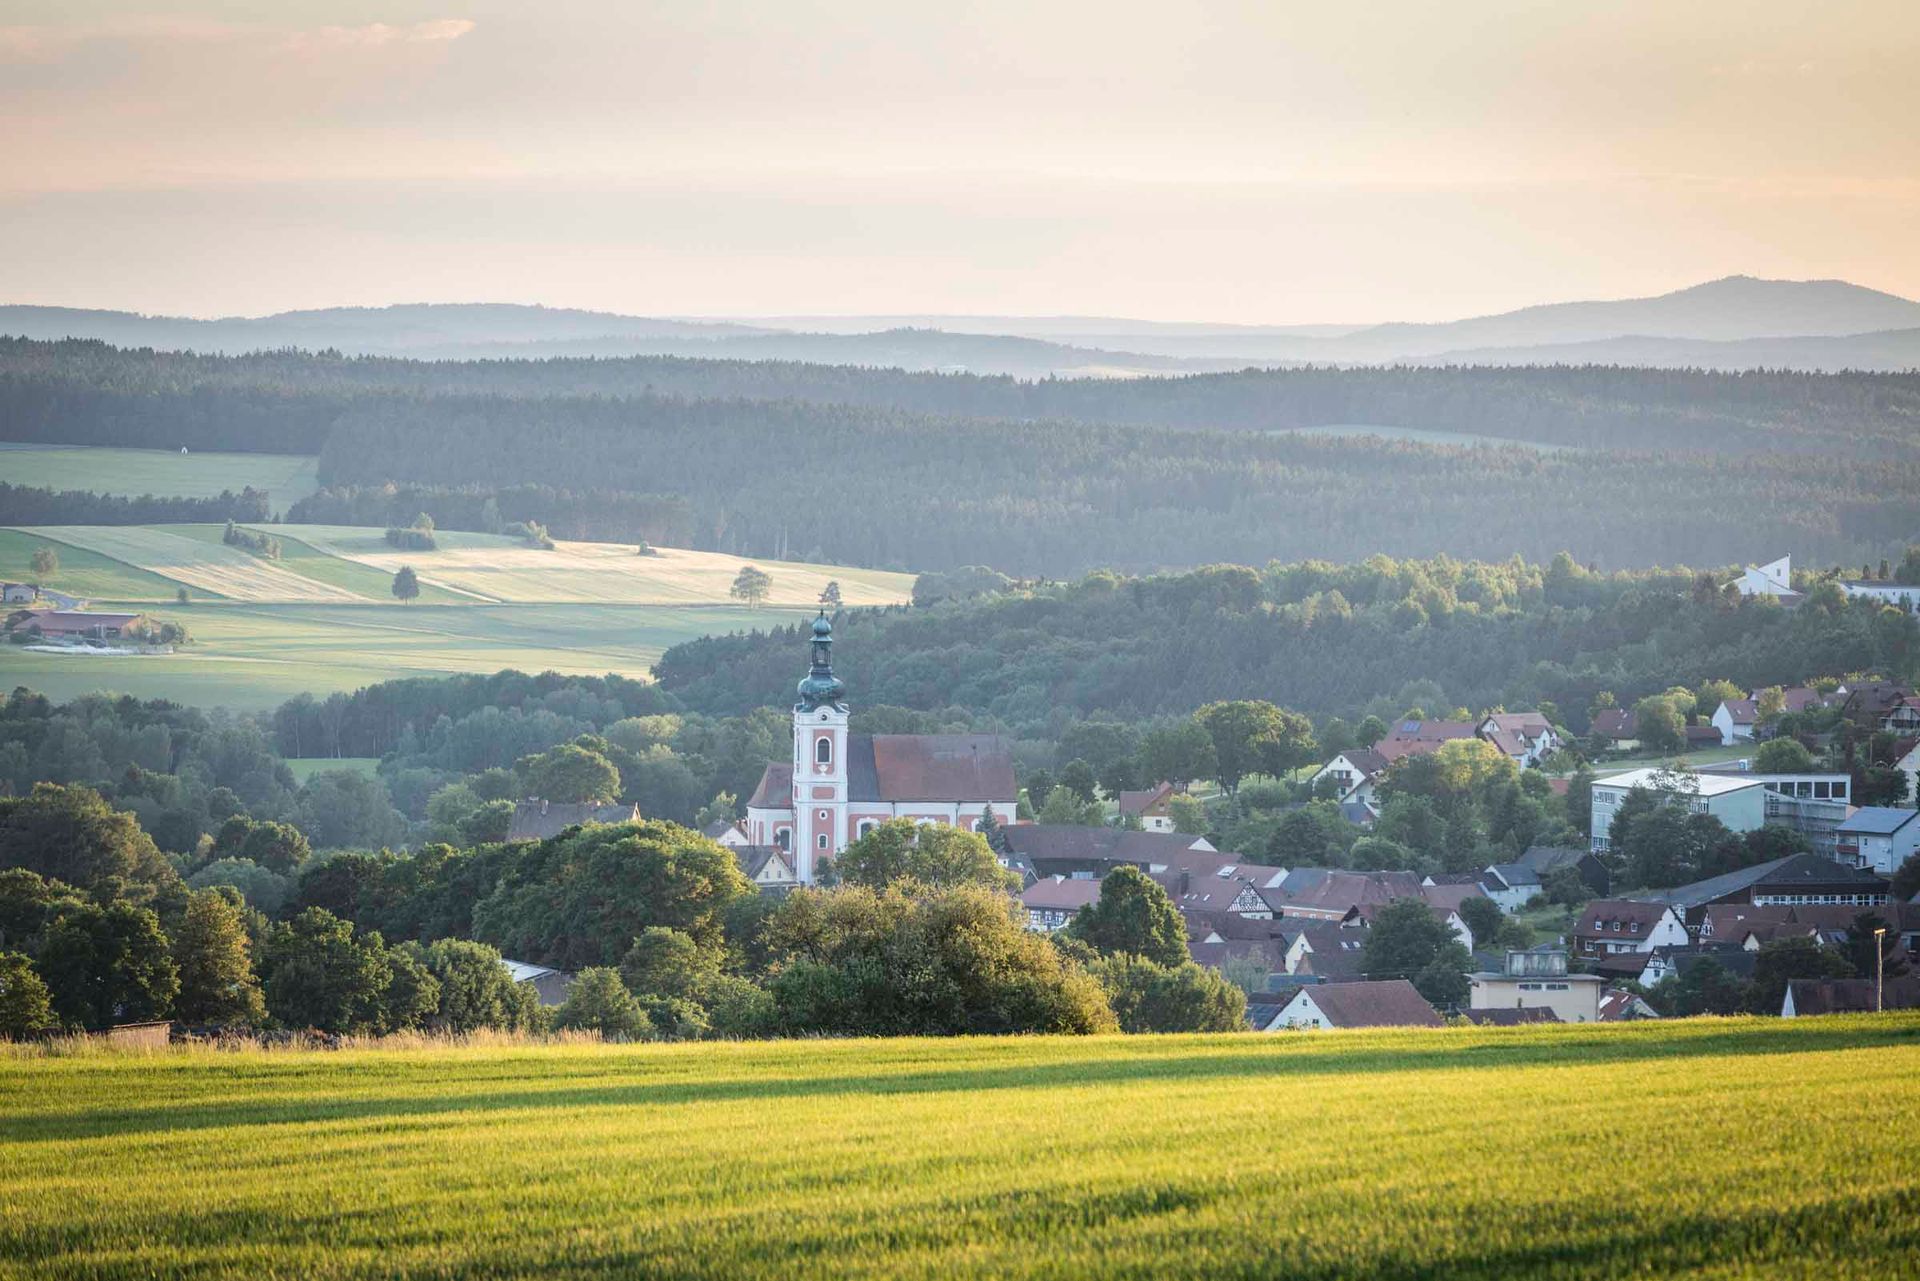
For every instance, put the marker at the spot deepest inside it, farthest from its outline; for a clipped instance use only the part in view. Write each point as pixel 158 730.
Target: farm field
pixel 1708 1148
pixel 249 657
pixel 204 565
pixel 492 568
pixel 82 573
pixel 287 478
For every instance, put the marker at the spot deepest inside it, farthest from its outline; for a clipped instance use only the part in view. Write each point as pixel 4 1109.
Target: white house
pixel 1538 981
pixel 1879 838
pixel 1354 772
pixel 1735 718
pixel 1522 737
pixel 1384 1003
pixel 1611 926
pixel 1052 901
pixel 1775 578
pixel 1904 595
pixel 1740 803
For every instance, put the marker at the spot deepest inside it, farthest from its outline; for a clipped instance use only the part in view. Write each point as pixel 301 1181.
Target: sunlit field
pixel 167 473
pixel 1710 1148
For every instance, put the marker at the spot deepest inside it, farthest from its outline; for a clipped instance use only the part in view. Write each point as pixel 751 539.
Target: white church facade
pixel 839 786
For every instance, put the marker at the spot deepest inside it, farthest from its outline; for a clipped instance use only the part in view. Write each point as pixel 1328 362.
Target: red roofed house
pixel 838 786
pixel 1522 737
pixel 1386 1003
pixel 1153 807
pixel 1615 724
pixel 1053 901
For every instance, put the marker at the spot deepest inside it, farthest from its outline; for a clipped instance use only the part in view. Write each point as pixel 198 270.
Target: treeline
pixel 1373 638
pixel 25 505
pixel 593 515
pixel 1607 406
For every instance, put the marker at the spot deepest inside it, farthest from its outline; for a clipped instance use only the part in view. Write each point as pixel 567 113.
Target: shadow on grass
pixel 1274 1057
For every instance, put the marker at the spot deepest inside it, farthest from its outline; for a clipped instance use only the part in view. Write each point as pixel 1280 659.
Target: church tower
pixel 819 759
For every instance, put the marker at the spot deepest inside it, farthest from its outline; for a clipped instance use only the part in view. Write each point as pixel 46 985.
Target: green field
pixel 249 657
pixel 287 478
pixel 1708 1148
pixel 323 618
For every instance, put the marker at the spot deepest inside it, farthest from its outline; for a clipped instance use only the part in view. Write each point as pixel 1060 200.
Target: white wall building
pixel 1538 981
pixel 1739 802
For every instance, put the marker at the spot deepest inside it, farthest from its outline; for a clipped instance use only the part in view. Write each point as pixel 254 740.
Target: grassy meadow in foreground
pixel 1722 1148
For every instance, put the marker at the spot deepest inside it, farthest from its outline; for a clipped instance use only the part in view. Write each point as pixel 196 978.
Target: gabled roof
pixel 1369 763
pixel 1104 844
pixel 1781 874
pixel 1515 876
pixel 1060 893
pixel 768 861
pixel 1547 859
pixel 1601 913
pixel 1878 820
pixel 537 820
pixel 1617 1005
pixel 1142 801
pixel 775 791
pixel 1383 1003
pixel 1332 967
pixel 1324 890
pixel 930 767
pixel 1448 898
pixel 1613 722
pixel 1742 711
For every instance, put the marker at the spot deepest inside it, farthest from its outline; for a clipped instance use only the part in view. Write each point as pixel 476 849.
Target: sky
pixel 1258 162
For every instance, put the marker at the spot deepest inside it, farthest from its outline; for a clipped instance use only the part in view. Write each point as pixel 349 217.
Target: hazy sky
pixel 1262 161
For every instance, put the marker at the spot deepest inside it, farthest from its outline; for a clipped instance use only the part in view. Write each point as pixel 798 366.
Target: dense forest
pixel 24 505
pixel 1379 637
pixel 45 384
pixel 1037 489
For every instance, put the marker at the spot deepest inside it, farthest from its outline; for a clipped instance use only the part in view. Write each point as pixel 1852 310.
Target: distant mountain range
pixel 1735 323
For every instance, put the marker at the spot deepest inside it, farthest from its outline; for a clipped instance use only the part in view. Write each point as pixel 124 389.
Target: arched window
pixel 866 825
pixel 783 837
pixel 820 841
pixel 823 750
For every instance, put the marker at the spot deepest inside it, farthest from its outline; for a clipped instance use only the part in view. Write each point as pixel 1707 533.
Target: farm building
pixel 73 624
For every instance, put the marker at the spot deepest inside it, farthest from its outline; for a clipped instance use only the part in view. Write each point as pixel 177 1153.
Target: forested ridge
pixel 1586 406
pixel 1374 638
pixel 950 470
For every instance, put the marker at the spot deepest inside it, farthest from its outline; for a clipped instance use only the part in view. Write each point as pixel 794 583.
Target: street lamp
pixel 1879 970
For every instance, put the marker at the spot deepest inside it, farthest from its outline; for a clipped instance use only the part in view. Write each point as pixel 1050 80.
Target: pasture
pixel 207 566
pixel 1706 1148
pixel 287 478
pixel 251 657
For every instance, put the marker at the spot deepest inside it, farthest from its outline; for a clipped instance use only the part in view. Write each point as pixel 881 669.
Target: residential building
pixel 1774 579
pixel 768 866
pixel 721 831
pixel 1735 719
pixel 1386 1003
pixel 1153 807
pixel 1620 1006
pixel 1323 894
pixel 18 593
pixel 1355 773
pixel 1522 737
pixel 838 786
pixel 1740 803
pixel 1615 725
pixel 1868 703
pixel 1903 718
pixel 1611 926
pixel 1538 980
pixel 1904 595
pixel 1511 885
pixel 1054 900
pixel 1797 880
pixel 1545 860
pixel 1878 838
pixel 538 820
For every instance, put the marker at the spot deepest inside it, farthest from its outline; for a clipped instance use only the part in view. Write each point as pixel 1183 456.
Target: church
pixel 839 786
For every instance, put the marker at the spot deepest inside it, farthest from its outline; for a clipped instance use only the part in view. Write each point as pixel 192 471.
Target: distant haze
pixel 1218 161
